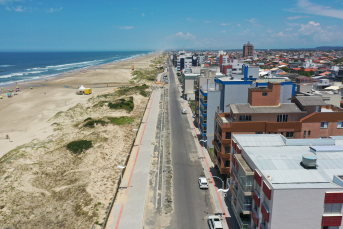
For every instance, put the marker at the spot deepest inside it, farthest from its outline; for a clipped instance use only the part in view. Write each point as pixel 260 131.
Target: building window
pixel 309 133
pixel 305 134
pixel 227 149
pixel 289 134
pixel 282 118
pixel 227 163
pixel 259 132
pixel 324 125
pixel 339 124
pixel 264 94
pixel 228 135
pixel 332 208
pixel 245 118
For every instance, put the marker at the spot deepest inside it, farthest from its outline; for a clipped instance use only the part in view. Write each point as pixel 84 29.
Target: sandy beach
pixel 45 185
pixel 24 116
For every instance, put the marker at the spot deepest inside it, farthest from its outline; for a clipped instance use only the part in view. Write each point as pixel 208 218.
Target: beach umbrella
pixel 17 86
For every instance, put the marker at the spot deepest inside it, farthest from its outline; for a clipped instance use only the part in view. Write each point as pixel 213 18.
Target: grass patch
pixel 87 119
pixel 121 120
pixel 91 123
pixel 123 104
pixel 78 147
pixel 131 90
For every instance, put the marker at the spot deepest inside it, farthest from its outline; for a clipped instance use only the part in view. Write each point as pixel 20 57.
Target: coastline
pixel 13 83
pixel 25 116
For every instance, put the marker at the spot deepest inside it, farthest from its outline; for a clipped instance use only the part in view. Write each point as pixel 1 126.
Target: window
pixel 264 94
pixel 245 118
pixel 282 118
pixel 227 149
pixel 227 163
pixel 289 134
pixel 228 135
pixel 339 124
pixel 332 208
pixel 309 133
pixel 323 125
pixel 305 134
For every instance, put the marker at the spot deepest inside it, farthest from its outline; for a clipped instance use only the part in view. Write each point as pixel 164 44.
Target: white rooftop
pixel 281 158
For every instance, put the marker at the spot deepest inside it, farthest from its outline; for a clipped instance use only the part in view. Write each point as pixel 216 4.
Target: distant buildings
pixel 280 183
pixel 248 50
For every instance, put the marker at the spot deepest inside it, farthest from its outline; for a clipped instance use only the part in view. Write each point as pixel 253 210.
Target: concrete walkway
pixel 128 209
pixel 219 200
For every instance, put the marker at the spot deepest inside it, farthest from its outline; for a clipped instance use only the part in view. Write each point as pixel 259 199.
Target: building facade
pixel 267 113
pixel 248 50
pixel 280 183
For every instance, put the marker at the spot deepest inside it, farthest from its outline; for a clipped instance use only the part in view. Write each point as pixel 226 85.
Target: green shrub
pixel 121 120
pixel 87 119
pixel 123 104
pixel 91 123
pixel 78 147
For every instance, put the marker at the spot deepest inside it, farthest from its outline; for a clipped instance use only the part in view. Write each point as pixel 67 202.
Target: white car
pixel 203 182
pixel 214 222
pixel 184 111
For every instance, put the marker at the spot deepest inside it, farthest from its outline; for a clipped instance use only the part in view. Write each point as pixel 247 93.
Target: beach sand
pixel 24 116
pixel 44 185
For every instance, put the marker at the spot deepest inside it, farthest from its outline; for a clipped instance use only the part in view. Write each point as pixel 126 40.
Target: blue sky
pixel 31 25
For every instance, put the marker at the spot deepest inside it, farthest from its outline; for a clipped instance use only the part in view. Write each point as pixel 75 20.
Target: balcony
pixel 214 142
pixel 224 155
pixel 225 170
pixel 226 141
pixel 243 221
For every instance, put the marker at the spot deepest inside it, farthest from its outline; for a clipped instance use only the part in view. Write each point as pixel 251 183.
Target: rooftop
pixel 246 108
pixel 311 100
pixel 280 158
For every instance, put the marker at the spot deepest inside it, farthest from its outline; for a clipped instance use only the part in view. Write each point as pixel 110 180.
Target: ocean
pixel 24 66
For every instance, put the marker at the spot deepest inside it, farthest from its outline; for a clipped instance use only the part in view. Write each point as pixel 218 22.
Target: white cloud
pixel 224 31
pixel 207 21
pixel 8 1
pixel 53 10
pixel 190 19
pixel 239 25
pixel 254 21
pixel 225 23
pixel 181 35
pixel 19 9
pixel 7 8
pixel 296 17
pixel 310 28
pixel 143 14
pixel 126 27
pixel 308 7
pixel 289 29
pixel 269 31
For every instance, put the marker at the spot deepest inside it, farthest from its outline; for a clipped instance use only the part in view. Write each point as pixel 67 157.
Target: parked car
pixel 214 222
pixel 203 182
pixel 184 111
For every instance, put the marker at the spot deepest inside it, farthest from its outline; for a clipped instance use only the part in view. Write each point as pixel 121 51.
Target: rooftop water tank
pixel 309 160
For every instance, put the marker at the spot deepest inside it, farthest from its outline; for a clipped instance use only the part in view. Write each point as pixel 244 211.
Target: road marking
pixel 134 164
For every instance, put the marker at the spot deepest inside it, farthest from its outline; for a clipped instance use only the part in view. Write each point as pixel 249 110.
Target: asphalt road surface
pixel 191 205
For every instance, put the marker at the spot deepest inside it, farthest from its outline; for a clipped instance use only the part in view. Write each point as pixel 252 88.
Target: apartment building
pixel 280 183
pixel 268 113
pixel 248 50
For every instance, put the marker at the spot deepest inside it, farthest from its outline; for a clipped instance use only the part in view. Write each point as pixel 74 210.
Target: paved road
pixel 191 205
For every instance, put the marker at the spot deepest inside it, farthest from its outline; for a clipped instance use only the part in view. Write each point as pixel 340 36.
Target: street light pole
pixel 221 189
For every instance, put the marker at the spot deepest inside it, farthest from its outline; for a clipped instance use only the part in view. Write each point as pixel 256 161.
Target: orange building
pixel 304 117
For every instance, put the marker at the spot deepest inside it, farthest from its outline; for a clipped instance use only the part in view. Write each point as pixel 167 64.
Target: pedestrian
pixel 8 137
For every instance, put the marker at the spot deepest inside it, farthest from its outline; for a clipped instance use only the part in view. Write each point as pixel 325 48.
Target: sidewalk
pixel 128 209
pixel 218 197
